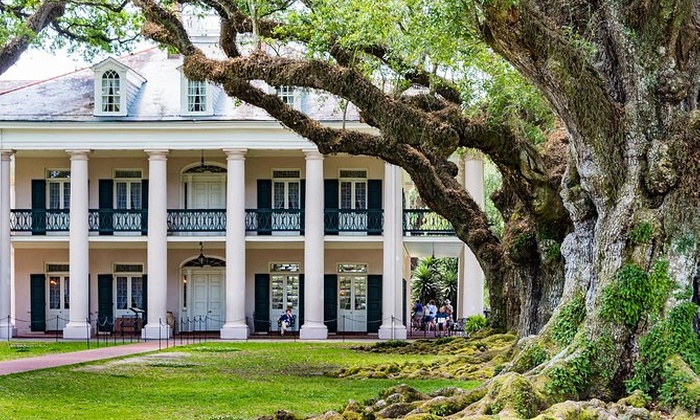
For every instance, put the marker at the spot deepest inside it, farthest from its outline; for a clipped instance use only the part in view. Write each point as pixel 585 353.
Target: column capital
pixel 78 154
pixel 235 154
pixel 312 154
pixel 473 154
pixel 157 154
pixel 6 154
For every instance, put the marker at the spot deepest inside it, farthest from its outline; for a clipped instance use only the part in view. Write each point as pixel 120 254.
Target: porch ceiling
pixel 428 246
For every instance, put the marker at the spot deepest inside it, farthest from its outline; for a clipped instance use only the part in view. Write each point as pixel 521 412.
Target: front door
pixel 352 302
pixel 284 293
pixel 58 296
pixel 208 307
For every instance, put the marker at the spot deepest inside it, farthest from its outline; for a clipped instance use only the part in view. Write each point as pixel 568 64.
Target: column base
pixel 7 331
pixel 398 332
pixel 156 332
pixel 234 332
pixel 313 332
pixel 77 331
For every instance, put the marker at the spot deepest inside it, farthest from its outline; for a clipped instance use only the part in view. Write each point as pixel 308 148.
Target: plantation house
pixel 125 187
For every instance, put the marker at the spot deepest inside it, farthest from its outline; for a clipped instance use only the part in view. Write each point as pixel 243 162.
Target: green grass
pixel 19 349
pixel 203 381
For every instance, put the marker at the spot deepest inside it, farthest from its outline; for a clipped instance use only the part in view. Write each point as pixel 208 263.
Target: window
pixel 353 189
pixel 111 91
pixel 127 189
pixel 129 286
pixel 286 94
pixel 196 96
pixel 58 189
pixel 59 286
pixel 286 188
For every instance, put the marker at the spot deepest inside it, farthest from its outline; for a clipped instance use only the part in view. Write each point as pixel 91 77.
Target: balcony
pixel 425 222
pixel 339 221
pixel 416 222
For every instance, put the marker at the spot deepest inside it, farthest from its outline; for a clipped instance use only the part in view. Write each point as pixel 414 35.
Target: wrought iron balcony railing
pixel 39 221
pixel 353 220
pixel 266 221
pixel 108 221
pixel 197 220
pixel 425 222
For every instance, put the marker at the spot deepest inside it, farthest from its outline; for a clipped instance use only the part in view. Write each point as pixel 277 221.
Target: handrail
pixel 425 222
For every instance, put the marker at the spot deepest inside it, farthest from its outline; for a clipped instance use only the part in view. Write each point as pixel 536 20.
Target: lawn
pixel 203 381
pixel 18 349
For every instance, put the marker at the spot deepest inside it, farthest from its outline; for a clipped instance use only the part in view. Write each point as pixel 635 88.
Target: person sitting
pixel 286 320
pixel 430 314
pixel 442 320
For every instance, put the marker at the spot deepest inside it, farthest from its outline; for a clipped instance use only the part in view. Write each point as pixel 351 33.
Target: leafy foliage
pixel 435 279
pixel 635 294
pixel 673 335
pixel 567 322
pixel 474 323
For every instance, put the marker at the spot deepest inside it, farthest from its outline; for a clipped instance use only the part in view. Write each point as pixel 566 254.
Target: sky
pixel 39 65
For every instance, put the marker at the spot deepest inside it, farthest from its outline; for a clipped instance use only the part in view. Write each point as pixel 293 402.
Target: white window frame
pixel 290 95
pixel 353 182
pixel 129 181
pixel 286 181
pixel 100 94
pixel 63 183
pixel 185 84
pixel 130 276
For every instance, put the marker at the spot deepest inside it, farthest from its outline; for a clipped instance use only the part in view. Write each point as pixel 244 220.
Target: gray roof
pixel 70 97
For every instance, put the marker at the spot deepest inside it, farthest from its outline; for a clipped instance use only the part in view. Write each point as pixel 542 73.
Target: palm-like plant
pixel 424 283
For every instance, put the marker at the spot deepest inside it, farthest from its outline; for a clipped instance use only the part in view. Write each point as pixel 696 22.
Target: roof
pixel 70 97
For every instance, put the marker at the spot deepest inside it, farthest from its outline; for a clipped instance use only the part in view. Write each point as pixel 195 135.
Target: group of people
pixel 430 318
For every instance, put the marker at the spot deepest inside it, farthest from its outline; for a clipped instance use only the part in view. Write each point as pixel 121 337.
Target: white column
pixel 235 327
pixel 78 326
pixel 392 327
pixel 313 328
pixel 471 288
pixel 157 254
pixel 7 326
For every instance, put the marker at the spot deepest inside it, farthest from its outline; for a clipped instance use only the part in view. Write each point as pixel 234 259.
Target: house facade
pixel 127 191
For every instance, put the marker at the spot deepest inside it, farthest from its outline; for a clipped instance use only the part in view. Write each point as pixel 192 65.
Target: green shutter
pixel 264 206
pixel 330 199
pixel 330 301
pixel 302 204
pixel 39 204
pixel 301 302
pixel 105 303
pixel 144 205
pixel 374 302
pixel 374 204
pixel 106 202
pixel 261 316
pixel 37 301
pixel 145 299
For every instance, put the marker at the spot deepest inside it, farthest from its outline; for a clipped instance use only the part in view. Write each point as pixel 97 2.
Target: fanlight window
pixel 111 91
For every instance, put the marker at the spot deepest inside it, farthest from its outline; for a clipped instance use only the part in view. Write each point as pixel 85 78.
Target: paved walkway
pixel 62 359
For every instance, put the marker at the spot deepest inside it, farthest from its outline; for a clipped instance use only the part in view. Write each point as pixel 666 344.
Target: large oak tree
pixel 600 248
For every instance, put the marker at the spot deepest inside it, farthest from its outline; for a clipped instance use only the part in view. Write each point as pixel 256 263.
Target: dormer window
pixel 196 96
pixel 286 94
pixel 111 91
pixel 116 87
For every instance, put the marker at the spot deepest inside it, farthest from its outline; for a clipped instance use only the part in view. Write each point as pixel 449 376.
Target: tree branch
pixel 46 13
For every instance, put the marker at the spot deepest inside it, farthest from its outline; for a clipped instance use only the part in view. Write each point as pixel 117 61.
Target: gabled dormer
pixel 116 87
pixel 196 98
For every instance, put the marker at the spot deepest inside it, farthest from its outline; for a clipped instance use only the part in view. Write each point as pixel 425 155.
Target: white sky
pixel 39 65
